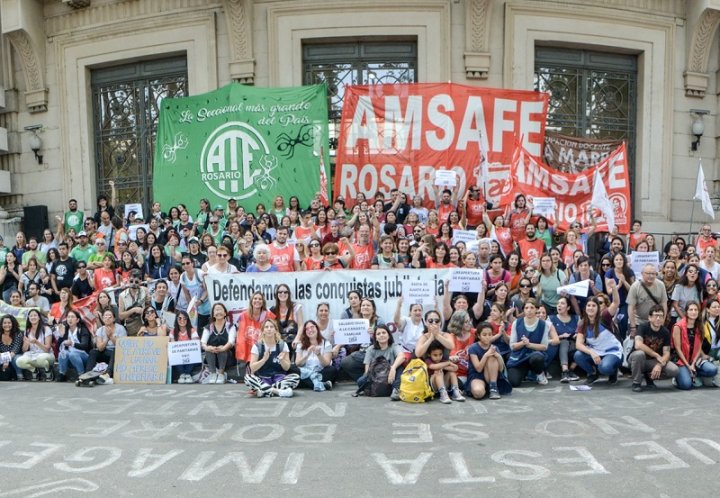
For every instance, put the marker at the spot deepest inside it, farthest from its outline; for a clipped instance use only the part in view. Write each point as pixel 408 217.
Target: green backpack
pixel 415 383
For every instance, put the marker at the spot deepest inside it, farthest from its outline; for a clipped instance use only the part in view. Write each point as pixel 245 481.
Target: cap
pixel 232 199
pixel 193 240
pixel 136 273
pixel 218 206
pixel 82 233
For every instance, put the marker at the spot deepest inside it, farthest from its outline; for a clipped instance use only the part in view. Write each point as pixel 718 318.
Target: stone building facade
pixel 90 73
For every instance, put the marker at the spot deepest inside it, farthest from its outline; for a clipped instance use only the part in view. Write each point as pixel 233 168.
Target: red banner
pixel 573 192
pixel 396 136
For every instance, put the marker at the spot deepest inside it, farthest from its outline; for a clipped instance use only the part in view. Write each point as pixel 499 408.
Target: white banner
pixel 466 280
pixel 311 288
pixel 577 289
pixel 640 259
pixel 352 331
pixel 184 353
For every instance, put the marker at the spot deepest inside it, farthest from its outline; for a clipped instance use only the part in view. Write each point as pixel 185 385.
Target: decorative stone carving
pixel 238 15
pixel 696 76
pixel 477 35
pixel 36 94
pixel 77 4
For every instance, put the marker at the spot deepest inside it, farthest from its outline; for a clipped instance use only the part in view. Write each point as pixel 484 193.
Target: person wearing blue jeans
pixel 687 338
pixel 598 350
pixel 75 344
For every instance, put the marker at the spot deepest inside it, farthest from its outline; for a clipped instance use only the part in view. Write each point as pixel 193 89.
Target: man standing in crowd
pixel 283 255
pixel 644 293
pixel 131 303
pixel 445 202
pixel 531 248
pixel 83 250
pixel 651 358
pixel 62 271
pixel 73 217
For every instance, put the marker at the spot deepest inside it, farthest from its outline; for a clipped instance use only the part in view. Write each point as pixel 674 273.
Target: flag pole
pixel 692 209
pixel 480 166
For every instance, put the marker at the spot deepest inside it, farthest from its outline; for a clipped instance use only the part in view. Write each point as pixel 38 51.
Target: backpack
pixel 415 382
pixel 377 385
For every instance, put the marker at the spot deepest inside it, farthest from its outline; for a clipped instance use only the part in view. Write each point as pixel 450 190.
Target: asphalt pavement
pixel 213 440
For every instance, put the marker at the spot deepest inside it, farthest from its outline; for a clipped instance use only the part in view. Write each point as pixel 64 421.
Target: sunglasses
pixel 433 320
pixel 330 253
pixel 282 292
pixel 213 222
pixel 525 286
pixel 314 245
pixel 185 263
pixel 222 255
pixel 605 264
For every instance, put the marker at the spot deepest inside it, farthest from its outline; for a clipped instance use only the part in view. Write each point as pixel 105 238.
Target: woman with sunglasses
pixel 289 315
pixel 711 291
pixel 217 339
pixel 529 339
pixel 433 332
pixel 223 262
pixel 193 287
pixel 525 292
pixel 315 259
pixel 624 277
pixel 152 325
pixel 333 260
pixel 711 327
pixel 688 289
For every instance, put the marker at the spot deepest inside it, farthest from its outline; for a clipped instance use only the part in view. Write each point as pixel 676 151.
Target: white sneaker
pixel 542 379
pixel 285 393
pixel 187 379
pixel 181 379
pixel 212 378
pixel 220 379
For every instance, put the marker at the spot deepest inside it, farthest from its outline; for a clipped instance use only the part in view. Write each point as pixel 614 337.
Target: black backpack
pixel 377 378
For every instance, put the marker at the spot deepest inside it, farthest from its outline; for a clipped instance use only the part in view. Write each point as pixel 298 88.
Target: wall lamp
pixel 35 142
pixel 697 127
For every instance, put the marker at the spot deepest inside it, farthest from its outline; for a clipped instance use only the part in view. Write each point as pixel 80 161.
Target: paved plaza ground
pixel 191 440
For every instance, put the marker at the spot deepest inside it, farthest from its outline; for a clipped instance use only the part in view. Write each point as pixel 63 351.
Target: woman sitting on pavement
pixel 217 339
pixel 432 332
pixel 353 363
pixel 599 352
pixel 37 348
pixel 11 340
pixel 383 347
pixel 75 344
pixel 566 327
pixel 269 364
pixel 183 331
pixel 105 341
pixel 152 327
pixel 314 358
pixel 529 340
pixel 696 369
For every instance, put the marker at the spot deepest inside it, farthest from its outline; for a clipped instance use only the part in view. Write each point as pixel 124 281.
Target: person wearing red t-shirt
pixel 250 326
pixel 307 228
pixel 531 248
pixel 364 249
pixel 474 207
pixel 518 217
pixel 636 235
pixel 500 233
pixel 445 202
pixel 285 257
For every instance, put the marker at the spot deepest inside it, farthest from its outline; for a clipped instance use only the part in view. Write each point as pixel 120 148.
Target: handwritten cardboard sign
pixel 141 360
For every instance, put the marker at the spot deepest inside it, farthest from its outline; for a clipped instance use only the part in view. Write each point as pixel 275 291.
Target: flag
pixel 702 194
pixel 601 200
pixel 323 180
pixel 86 308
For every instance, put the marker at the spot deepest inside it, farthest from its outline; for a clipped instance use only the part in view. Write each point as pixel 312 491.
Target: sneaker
pixel 395 396
pixel 319 387
pixel 548 376
pixel 612 379
pixel 34 374
pixel 220 379
pixel 260 393
pixel 328 385
pixel 650 383
pixel 61 378
pixel 674 382
pixel 542 379
pixel 572 376
pixel 49 375
pixel 444 398
pixel 494 394
pixel 591 379
pixel 637 388
pixel 565 378
pixel 456 396
pixel 285 393
pixel 697 382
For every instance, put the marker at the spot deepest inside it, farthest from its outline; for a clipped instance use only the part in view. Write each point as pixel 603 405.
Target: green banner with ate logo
pixel 241 142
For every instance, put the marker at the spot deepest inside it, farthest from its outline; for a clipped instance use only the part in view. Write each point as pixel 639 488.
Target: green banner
pixel 241 142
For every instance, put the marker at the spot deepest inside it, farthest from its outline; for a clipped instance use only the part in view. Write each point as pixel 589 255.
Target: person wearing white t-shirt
pixel 709 264
pixel 409 328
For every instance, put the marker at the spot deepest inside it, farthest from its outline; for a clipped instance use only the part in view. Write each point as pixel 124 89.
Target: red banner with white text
pixel 396 136
pixel 573 192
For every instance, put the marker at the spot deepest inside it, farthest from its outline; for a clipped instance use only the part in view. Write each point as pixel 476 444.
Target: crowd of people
pixel 138 270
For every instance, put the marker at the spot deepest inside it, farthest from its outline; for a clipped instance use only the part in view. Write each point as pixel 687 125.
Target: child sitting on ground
pixel 442 372
pixel 486 370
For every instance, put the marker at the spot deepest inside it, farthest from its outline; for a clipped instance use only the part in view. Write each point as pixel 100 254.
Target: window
pixel 592 94
pixel 126 106
pixel 357 63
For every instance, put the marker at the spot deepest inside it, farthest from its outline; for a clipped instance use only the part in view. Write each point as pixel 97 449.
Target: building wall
pixel 478 42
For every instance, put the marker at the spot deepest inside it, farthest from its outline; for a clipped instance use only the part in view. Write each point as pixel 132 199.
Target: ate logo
pixel 236 162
